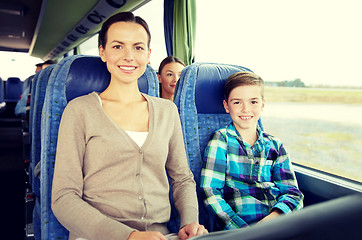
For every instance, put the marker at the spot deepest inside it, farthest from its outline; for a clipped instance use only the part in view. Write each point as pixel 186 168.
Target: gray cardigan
pixel 105 186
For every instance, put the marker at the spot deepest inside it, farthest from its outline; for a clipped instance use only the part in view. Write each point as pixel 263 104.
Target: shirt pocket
pixel 266 171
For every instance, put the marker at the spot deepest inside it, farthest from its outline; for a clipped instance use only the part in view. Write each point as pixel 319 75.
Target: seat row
pixel 198 97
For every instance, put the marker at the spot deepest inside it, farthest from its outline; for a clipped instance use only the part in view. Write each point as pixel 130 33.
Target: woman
pixel 114 148
pixel 168 74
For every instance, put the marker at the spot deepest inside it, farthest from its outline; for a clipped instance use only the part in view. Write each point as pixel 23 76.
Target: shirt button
pixel 140 151
pixel 142 218
pixel 140 197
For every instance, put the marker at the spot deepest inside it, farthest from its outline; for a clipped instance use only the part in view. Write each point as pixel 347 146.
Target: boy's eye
pixel 139 48
pixel 254 102
pixel 236 102
pixel 169 74
pixel 117 47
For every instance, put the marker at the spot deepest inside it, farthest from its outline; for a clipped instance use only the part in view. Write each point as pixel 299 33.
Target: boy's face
pixel 245 105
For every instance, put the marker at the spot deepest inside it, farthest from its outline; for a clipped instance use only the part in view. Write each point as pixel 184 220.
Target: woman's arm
pixel 80 218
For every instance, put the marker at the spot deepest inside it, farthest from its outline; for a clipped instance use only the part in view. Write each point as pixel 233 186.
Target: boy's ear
pixel 262 106
pixel 226 106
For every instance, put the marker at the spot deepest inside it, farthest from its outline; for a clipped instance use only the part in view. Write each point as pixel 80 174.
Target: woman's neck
pixel 166 95
pixel 125 93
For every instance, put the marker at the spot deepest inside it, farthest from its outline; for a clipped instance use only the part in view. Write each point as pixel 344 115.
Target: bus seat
pixel 38 87
pixel 74 76
pixel 13 89
pixel 199 97
pixel 2 95
pixel 27 82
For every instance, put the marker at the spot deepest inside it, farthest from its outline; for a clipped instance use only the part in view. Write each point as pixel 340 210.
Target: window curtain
pixel 182 28
pixel 168 25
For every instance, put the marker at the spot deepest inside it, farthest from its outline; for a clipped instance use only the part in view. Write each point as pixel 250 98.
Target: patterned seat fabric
pixel 38 87
pixel 74 76
pixel 199 97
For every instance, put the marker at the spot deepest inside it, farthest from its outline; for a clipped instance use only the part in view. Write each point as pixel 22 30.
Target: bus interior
pixel 57 30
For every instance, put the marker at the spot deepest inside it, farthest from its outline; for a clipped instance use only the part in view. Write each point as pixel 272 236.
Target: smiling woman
pixel 120 207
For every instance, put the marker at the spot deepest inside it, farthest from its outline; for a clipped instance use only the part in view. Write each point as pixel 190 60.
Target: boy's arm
pixel 291 197
pixel 213 182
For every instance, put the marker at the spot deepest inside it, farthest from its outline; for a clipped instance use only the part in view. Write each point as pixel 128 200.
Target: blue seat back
pixel 2 91
pixel 13 89
pixel 27 83
pixel 199 98
pixel 38 87
pixel 74 76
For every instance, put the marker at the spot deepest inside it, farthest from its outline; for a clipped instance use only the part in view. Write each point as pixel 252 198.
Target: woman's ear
pixel 226 106
pixel 101 53
pixel 159 78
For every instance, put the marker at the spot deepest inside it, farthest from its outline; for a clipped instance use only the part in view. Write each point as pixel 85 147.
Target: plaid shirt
pixel 243 183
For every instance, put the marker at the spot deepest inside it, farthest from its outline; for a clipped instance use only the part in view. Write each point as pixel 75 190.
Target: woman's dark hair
pixel 167 60
pixel 121 17
pixel 241 79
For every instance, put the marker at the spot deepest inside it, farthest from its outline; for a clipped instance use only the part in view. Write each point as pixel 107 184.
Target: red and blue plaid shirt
pixel 243 183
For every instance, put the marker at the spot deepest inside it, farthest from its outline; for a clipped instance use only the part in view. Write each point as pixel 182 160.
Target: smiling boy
pixel 247 175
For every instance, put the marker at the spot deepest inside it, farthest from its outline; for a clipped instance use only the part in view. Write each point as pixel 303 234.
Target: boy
pixel 247 175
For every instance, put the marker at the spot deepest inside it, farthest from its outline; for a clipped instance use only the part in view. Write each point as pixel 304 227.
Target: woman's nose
pixel 127 54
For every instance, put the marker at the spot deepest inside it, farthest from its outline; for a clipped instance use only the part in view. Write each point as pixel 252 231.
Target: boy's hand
pixel 275 213
pixel 191 230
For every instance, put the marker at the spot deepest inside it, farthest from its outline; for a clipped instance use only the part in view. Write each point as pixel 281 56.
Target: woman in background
pixel 169 73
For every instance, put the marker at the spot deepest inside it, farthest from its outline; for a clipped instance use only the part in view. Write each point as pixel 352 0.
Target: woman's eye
pixel 117 47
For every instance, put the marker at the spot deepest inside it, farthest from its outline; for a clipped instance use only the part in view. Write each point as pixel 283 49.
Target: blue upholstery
pixel 38 87
pixel 2 96
pixel 199 99
pixel 2 91
pixel 13 89
pixel 27 83
pixel 72 77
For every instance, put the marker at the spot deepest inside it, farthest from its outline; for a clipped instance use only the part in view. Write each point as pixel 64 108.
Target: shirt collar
pixel 232 132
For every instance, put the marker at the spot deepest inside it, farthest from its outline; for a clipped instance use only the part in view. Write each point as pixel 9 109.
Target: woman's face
pixel 126 52
pixel 169 76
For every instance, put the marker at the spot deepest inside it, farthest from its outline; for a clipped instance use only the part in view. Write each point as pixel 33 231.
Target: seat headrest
pixel 86 74
pixel 209 88
pixel 13 80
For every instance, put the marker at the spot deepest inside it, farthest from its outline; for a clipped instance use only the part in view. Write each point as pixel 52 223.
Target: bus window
pixel 90 47
pixel 152 13
pixel 308 52
pixel 154 19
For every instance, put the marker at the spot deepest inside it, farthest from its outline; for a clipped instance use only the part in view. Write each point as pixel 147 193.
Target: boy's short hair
pixel 242 79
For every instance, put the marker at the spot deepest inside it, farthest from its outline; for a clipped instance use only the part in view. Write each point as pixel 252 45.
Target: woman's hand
pixel 191 230
pixel 146 236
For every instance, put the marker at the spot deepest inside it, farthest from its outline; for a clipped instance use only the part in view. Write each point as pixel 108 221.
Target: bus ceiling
pixel 48 29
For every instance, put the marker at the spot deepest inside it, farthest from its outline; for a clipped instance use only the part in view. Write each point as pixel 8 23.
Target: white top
pixel 138 137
